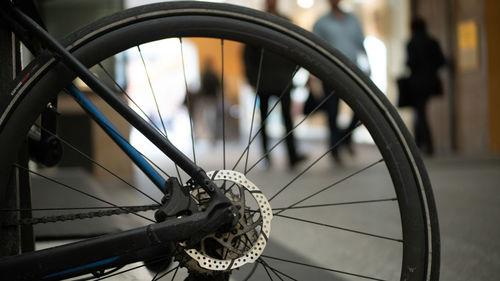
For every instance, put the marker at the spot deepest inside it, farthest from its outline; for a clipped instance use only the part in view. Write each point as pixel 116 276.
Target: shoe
pixel 350 147
pixel 296 160
pixel 347 142
pixel 336 158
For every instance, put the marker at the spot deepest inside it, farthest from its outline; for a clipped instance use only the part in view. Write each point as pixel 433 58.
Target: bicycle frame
pixel 113 250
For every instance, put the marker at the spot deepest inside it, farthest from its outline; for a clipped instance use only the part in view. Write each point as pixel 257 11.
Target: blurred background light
pixel 305 3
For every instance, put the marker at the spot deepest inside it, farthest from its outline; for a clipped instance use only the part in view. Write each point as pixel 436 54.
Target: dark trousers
pixel 423 136
pixel 287 118
pixel 331 107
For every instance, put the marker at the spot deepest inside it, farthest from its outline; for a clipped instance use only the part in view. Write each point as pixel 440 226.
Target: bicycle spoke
pixel 129 98
pixel 79 191
pixel 114 130
pixel 335 204
pixel 133 268
pixel 152 90
pixel 252 271
pixel 331 185
pixel 223 106
pixel 106 273
pixel 276 271
pixel 158 167
pixel 285 91
pixel 156 104
pixel 254 107
pixel 313 163
pixel 188 102
pixel 166 273
pixel 293 129
pixel 340 228
pixel 175 273
pixel 267 271
pixel 97 164
pixel 322 268
pixel 120 136
pixel 156 275
pixel 145 157
pixel 121 272
pixel 124 139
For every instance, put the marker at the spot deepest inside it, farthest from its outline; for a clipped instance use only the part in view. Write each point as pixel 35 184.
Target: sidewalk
pixel 467 193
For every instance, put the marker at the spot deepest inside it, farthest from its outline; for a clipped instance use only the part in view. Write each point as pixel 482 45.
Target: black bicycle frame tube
pixel 195 172
pixel 147 243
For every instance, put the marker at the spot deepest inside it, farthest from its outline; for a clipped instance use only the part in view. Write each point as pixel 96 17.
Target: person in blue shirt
pixel 343 31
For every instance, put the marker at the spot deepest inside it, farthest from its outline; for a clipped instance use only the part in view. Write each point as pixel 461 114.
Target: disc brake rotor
pixel 246 241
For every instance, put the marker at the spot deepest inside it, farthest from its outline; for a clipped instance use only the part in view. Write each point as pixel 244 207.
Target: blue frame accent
pixel 113 133
pixel 94 264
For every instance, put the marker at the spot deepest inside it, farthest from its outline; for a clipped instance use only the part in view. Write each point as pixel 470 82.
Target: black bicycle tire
pixel 22 101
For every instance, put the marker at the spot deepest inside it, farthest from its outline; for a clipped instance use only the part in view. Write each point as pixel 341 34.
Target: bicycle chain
pixel 80 216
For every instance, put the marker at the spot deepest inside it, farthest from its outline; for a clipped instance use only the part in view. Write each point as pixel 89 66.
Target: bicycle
pixel 219 221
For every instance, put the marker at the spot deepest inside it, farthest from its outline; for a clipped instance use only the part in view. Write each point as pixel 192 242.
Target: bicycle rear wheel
pixel 373 218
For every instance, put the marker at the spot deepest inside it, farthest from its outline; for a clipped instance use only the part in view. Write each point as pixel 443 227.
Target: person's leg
pixel 422 131
pixel 425 131
pixel 293 158
pixel 332 107
pixel 417 126
pixel 347 134
pixel 310 104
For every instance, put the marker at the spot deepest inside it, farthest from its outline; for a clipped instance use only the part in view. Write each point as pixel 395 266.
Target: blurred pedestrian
pixel 275 79
pixel 424 60
pixel 210 91
pixel 343 31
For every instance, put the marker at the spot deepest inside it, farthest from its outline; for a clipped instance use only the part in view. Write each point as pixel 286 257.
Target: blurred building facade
pixel 468 31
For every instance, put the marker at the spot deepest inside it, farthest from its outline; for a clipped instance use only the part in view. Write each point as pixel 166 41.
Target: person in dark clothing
pixel 424 60
pixel 274 79
pixel 210 82
pixel 210 92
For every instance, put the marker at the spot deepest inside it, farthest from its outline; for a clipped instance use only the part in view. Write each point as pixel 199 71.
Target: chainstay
pixel 81 216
